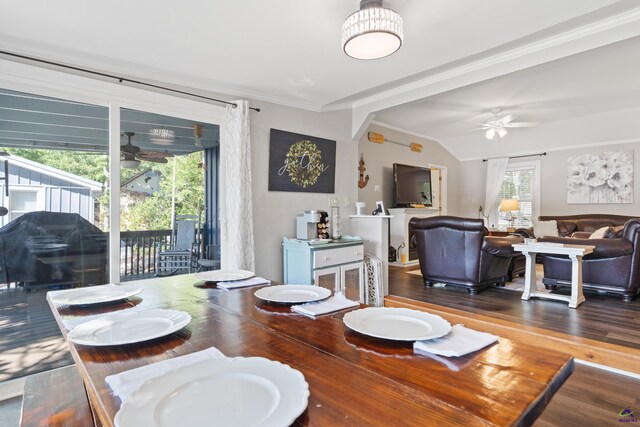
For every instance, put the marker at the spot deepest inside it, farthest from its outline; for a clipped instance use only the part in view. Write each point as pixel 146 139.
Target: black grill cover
pixel 50 247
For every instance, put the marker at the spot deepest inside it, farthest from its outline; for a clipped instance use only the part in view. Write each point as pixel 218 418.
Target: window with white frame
pixel 25 200
pixel 520 182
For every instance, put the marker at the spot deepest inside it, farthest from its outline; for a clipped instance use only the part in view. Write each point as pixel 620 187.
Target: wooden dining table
pixel 353 379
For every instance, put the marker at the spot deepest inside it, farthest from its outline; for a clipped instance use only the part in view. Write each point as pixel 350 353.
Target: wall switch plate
pixel 347 202
pixel 376 188
pixel 333 201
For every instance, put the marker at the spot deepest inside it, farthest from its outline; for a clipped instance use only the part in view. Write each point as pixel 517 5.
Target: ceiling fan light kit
pixel 373 32
pixel 497 128
pixel 161 136
pixel 130 164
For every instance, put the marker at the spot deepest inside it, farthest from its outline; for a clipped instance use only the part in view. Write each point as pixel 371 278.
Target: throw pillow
pixel 614 232
pixel 546 228
pixel 599 233
pixel 566 228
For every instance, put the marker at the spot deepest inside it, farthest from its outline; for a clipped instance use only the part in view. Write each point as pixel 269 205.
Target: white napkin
pixel 335 303
pixel 234 284
pixel 125 383
pixel 458 342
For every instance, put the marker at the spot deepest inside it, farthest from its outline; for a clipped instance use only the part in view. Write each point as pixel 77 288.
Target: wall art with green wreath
pixel 301 163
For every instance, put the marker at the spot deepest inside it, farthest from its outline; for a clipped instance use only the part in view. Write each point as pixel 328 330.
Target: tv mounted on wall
pixel 411 186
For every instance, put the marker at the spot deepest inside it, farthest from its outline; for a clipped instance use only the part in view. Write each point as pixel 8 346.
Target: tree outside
pixel 146 213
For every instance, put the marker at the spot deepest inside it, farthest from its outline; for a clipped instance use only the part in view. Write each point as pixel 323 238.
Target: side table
pixel 574 252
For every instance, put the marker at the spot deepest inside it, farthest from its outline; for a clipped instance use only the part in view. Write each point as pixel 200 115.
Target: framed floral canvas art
pixel 600 178
pixel 301 163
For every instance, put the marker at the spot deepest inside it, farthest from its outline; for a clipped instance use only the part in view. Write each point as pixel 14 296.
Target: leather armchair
pixel 614 265
pixel 458 251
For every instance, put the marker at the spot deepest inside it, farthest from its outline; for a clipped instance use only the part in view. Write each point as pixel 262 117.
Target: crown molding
pixel 565 148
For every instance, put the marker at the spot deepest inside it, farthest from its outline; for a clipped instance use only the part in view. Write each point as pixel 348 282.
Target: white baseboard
pixel 608 368
pixel 11 388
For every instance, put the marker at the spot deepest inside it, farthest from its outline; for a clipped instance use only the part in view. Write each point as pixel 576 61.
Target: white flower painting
pixel 600 178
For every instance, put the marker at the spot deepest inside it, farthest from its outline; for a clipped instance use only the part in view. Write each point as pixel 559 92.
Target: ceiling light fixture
pixel 373 32
pixel 130 164
pixel 162 136
pixel 496 130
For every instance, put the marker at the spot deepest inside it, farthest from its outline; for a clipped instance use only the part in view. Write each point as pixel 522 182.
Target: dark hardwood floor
pixel 30 340
pixel 591 397
pixel 602 317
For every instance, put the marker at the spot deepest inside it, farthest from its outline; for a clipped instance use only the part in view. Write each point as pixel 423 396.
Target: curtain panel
pixel 496 169
pixel 237 241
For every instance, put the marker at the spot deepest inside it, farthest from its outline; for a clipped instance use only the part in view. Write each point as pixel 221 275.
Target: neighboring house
pixel 144 183
pixel 37 187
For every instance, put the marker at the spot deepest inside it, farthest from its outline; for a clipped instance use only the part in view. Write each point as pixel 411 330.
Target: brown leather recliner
pixel 614 265
pixel 458 251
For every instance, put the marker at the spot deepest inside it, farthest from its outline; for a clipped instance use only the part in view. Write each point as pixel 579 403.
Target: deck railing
pixel 139 251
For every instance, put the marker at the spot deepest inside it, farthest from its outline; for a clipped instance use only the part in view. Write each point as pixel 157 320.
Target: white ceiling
pixel 580 86
pixel 288 51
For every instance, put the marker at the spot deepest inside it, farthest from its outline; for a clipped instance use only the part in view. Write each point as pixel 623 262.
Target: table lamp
pixel 509 205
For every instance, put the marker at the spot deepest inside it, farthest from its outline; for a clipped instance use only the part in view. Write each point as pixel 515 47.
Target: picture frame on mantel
pixel 301 163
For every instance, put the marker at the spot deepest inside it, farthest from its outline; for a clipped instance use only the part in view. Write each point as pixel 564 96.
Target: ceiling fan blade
pixel 152 159
pixel 155 154
pixel 520 124
pixel 507 119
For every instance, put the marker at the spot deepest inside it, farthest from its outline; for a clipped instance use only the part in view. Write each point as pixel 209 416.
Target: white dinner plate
pixel 400 324
pixel 223 275
pixel 129 327
pixel 293 294
pixel 231 392
pixel 95 294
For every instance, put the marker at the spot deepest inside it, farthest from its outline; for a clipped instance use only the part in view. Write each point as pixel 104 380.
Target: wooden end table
pixel 574 252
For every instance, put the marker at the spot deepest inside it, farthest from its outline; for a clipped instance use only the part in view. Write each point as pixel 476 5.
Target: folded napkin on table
pixel 458 342
pixel 254 281
pixel 125 383
pixel 335 303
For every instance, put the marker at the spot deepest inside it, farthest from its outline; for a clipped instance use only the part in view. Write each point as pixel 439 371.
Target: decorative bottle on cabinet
pixel 335 222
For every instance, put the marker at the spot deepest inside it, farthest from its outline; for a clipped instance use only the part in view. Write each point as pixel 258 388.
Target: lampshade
pixel 130 164
pixel 373 32
pixel 162 136
pixel 508 205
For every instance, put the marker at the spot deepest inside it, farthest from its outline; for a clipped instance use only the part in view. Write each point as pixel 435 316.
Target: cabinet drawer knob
pixel 326 258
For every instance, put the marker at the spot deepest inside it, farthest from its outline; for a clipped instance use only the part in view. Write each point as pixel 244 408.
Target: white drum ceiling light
pixel 373 32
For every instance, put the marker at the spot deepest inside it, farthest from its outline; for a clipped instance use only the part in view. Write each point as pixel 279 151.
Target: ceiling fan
pixel 497 128
pixel 131 155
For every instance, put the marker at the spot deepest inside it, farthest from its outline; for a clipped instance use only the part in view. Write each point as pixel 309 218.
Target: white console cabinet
pixel 399 232
pixel 337 266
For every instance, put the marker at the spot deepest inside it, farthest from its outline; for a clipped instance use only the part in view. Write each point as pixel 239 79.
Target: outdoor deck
pixel 30 340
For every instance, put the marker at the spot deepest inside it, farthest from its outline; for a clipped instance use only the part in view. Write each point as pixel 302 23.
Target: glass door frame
pixel 57 84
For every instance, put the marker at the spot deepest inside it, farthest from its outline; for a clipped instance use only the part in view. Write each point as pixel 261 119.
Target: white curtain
pixel 495 174
pixel 237 249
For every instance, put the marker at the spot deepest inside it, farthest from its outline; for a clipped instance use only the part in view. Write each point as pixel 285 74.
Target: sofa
pixel 585 224
pixel 459 251
pixel 613 267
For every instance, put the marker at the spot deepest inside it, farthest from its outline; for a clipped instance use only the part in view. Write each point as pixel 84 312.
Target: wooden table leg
pixel 529 275
pixel 577 297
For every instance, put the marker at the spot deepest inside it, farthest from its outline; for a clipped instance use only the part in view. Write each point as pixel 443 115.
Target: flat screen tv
pixel 411 186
